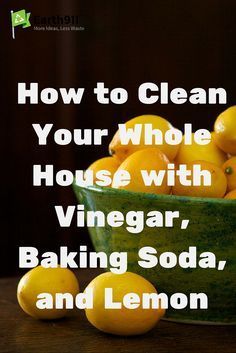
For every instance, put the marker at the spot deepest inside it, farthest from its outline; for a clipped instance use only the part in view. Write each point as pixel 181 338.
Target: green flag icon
pixel 20 18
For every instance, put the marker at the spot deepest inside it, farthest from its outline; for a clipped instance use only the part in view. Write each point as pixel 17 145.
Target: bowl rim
pixel 128 193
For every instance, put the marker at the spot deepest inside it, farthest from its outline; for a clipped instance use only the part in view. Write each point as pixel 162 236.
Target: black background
pixel 125 43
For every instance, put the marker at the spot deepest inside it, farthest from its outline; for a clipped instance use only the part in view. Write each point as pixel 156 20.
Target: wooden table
pixel 22 334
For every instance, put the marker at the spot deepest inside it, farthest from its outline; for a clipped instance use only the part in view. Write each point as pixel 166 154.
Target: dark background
pixel 125 43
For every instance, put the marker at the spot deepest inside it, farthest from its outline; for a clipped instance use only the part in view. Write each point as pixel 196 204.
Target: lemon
pixel 231 195
pixel 225 130
pixel 45 280
pixel 123 151
pixel 229 168
pixel 111 164
pixel 147 159
pixel 122 321
pixel 216 189
pixel 210 153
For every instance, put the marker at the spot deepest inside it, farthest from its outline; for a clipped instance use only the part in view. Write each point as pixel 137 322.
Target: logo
pixel 19 18
pixel 45 23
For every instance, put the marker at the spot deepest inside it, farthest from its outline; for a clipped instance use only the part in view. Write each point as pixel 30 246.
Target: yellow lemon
pixel 110 164
pixel 123 151
pixel 225 130
pixel 45 280
pixel 216 189
pixel 229 168
pixel 210 153
pixel 147 159
pixel 231 195
pixel 123 321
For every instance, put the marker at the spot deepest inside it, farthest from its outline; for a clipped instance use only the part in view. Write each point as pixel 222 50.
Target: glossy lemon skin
pixel 210 153
pixel 218 186
pixel 231 195
pixel 229 168
pixel 122 321
pixel 225 130
pixel 45 280
pixel 123 151
pixel 111 164
pixel 147 159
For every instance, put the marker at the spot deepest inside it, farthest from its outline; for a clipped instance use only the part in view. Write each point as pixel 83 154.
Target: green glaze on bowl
pixel 212 227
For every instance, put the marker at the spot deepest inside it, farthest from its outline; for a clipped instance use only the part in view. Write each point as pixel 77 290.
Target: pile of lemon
pixel 217 157
pixel 122 321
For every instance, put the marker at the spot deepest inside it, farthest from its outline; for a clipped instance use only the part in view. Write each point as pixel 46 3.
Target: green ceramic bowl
pixel 212 227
